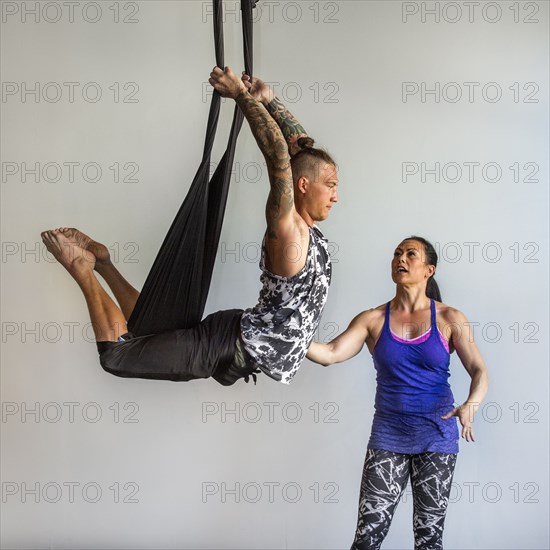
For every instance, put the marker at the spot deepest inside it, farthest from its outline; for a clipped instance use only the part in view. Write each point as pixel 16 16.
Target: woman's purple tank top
pixel 412 394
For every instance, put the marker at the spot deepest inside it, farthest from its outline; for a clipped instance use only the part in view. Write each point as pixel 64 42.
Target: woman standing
pixel 413 432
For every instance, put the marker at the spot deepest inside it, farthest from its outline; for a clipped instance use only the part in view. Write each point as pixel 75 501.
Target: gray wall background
pixel 112 463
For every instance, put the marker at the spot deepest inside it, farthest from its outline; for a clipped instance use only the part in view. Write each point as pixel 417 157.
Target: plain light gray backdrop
pixel 402 96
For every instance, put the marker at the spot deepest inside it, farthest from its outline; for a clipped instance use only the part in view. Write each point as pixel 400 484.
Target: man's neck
pixel 310 222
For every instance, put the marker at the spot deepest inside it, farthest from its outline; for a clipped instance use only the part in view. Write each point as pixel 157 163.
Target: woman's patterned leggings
pixel 384 479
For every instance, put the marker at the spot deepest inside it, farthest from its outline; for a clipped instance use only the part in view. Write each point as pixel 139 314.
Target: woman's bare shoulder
pixel 449 314
pixel 372 315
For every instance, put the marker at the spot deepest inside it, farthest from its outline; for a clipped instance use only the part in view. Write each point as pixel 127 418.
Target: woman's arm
pixel 344 346
pixel 463 341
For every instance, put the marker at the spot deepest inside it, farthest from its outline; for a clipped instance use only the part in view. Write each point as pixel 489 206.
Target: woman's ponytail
pixel 432 289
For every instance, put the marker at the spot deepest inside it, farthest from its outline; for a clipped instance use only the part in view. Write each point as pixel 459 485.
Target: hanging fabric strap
pixel 175 291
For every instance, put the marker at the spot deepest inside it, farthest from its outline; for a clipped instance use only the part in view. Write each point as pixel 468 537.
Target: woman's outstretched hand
pixel 465 415
pixel 226 82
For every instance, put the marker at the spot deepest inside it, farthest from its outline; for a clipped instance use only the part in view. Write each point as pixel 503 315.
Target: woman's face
pixel 409 264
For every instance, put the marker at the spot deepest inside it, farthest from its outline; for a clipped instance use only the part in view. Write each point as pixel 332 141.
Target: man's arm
pixel 280 202
pixel 280 211
pixel 291 128
pixel 289 125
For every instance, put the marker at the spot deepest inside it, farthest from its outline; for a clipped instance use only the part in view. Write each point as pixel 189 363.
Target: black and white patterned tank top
pixel 277 332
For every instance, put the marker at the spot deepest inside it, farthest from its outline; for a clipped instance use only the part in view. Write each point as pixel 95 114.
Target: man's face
pixel 323 192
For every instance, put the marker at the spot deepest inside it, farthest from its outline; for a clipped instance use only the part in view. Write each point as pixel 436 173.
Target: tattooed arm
pixel 284 224
pixel 291 128
pixel 280 203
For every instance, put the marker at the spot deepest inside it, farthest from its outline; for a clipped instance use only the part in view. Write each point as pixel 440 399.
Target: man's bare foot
pixel 68 253
pixel 100 251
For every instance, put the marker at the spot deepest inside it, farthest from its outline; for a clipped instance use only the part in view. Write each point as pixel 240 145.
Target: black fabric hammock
pixel 175 291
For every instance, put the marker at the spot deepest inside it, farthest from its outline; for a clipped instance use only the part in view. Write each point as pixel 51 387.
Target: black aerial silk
pixel 175 292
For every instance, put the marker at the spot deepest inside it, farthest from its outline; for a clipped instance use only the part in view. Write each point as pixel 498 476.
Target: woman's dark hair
pixel 432 289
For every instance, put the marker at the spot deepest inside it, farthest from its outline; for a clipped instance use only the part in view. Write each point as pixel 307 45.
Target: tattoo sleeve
pixel 291 128
pixel 274 148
